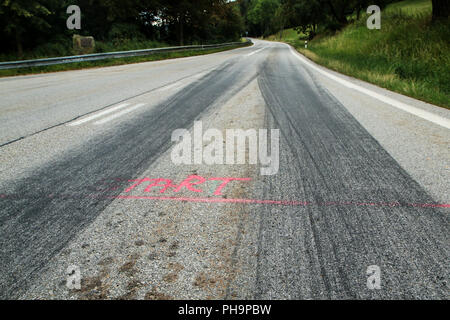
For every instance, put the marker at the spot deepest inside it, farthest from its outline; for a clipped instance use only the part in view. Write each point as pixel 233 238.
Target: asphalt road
pixel 361 182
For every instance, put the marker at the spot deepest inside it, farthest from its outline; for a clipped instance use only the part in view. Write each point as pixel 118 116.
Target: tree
pixel 441 9
pixel 226 22
pixel 28 24
pixel 307 15
pixel 199 20
pixel 262 14
pixel 339 9
pixel 22 16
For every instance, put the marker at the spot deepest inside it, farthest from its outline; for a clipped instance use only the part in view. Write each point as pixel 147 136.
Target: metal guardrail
pixel 110 55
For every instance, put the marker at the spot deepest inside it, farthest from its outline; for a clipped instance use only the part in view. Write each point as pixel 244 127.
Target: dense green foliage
pixel 265 17
pixel 37 28
pixel 32 28
pixel 409 55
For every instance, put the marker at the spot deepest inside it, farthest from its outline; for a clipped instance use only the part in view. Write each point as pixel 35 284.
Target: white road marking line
pixel 177 84
pixel 181 83
pixel 252 53
pixel 199 75
pixel 171 86
pixel 97 115
pixel 119 114
pixel 444 122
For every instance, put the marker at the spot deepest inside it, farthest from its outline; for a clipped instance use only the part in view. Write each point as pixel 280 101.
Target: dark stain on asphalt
pixel 35 228
pixel 318 252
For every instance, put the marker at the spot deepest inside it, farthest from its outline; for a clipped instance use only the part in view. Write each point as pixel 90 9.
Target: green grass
pixel 286 35
pixel 110 62
pixel 409 55
pixel 411 7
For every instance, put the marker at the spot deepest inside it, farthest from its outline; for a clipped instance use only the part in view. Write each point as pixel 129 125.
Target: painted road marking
pixel 140 189
pixel 228 200
pixel 286 202
pixel 97 115
pixel 171 86
pixel 119 114
pixel 184 82
pixel 441 121
pixel 176 85
pixel 252 53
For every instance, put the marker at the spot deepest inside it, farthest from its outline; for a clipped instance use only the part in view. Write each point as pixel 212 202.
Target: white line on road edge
pixel 97 115
pixel 119 114
pixel 400 105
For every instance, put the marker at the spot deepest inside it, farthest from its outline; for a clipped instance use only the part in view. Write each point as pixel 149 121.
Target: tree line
pixel 26 24
pixel 266 17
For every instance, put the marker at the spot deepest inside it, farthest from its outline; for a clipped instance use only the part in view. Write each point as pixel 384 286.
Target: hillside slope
pixel 409 55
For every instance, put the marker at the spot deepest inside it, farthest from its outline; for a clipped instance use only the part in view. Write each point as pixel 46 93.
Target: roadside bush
pixel 125 31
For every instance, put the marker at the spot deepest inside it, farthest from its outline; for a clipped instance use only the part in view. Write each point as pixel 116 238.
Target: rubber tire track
pixel 323 251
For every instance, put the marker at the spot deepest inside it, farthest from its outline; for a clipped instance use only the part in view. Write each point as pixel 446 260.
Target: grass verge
pixel 111 62
pixel 409 55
